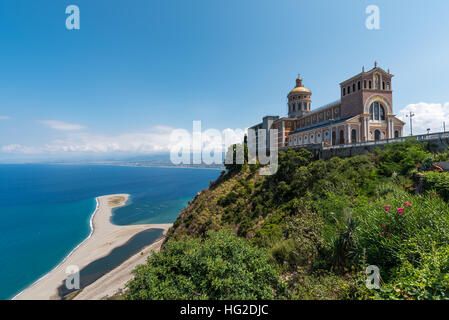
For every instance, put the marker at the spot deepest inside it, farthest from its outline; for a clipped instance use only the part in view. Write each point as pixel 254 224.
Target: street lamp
pixel 411 115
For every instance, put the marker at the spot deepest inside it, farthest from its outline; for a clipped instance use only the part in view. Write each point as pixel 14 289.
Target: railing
pixel 323 146
pixel 423 137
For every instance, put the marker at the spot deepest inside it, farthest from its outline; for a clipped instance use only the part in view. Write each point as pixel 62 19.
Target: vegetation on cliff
pixel 315 226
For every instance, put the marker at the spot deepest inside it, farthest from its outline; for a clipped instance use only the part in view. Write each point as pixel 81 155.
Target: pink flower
pixel 408 204
pixel 387 207
pixel 400 210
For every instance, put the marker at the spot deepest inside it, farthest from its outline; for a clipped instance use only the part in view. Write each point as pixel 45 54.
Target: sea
pixel 45 209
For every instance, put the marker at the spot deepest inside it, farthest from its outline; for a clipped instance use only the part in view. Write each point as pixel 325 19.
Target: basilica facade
pixel 363 113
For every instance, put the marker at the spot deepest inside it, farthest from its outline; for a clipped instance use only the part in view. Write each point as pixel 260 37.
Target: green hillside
pixel 309 232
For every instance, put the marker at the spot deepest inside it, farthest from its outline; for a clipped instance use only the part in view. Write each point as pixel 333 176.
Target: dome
pixel 299 90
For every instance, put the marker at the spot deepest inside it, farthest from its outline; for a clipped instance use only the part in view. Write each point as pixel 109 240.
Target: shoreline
pixel 102 239
pixel 69 254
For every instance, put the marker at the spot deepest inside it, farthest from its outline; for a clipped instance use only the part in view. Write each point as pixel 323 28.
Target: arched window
pixel 342 137
pixel 396 134
pixel 334 138
pixel 354 136
pixel 382 112
pixel 377 135
pixel 377 111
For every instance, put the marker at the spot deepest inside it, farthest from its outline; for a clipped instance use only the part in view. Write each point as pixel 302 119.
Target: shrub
pixel 429 279
pixel 222 266
pixel 303 241
pixel 402 232
pixel 322 286
pixel 438 181
pixel 401 157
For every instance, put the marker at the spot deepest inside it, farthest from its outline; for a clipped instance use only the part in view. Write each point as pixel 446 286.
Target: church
pixel 363 113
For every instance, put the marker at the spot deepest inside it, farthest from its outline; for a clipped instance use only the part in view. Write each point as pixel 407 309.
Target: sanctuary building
pixel 363 113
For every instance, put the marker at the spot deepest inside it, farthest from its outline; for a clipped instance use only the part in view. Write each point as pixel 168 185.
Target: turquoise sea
pixel 45 210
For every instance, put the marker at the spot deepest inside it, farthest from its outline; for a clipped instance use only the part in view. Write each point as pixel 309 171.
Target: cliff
pixel 323 222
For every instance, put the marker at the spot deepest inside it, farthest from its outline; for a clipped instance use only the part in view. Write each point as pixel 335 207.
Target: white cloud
pixel 156 140
pixel 4 118
pixel 17 148
pixel 61 125
pixel 427 116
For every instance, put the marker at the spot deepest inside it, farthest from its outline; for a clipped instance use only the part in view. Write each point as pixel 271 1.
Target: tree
pixel 222 266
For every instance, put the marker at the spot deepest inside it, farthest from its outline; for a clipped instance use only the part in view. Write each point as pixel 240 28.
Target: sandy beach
pixel 104 237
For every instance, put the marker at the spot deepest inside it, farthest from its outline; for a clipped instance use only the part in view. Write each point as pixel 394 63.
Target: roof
pixel 366 72
pixel 320 125
pixel 332 104
pixel 256 125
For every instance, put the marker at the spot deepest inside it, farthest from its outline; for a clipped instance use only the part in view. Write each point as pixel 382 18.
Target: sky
pixel 136 70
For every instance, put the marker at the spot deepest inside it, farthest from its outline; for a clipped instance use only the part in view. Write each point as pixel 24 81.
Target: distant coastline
pixel 120 164
pixel 203 167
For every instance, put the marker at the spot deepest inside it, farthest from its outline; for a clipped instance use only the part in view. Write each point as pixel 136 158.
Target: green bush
pixel 222 266
pixel 302 244
pixel 389 237
pixel 401 157
pixel 322 286
pixel 426 280
pixel 438 181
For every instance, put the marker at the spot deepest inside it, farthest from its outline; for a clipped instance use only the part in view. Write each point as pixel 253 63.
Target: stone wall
pixel 435 145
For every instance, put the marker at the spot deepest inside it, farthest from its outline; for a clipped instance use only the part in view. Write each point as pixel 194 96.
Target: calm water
pixel 45 210
pixel 98 268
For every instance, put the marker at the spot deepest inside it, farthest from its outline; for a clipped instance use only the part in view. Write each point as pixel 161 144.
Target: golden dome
pixel 299 90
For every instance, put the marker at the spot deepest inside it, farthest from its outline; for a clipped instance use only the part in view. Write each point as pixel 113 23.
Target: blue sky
pixel 138 68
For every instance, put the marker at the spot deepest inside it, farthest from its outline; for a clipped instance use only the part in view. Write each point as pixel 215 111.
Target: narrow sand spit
pixel 103 239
